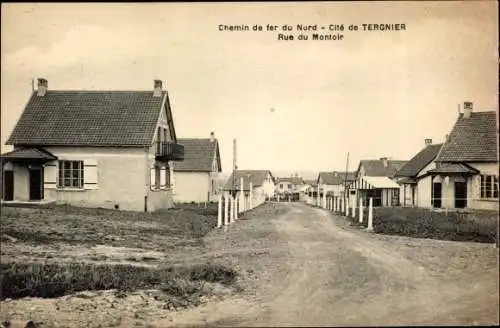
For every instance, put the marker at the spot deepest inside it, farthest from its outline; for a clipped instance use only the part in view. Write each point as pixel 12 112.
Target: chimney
pixel 335 174
pixel 428 142
pixel 157 89
pixel 42 87
pixel 212 137
pixel 384 161
pixel 447 138
pixel 467 109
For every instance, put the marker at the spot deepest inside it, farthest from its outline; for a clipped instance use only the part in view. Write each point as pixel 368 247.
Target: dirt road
pixel 319 271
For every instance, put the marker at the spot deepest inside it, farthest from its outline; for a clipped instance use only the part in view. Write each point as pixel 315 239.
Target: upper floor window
pixel 489 186
pixel 70 174
pixel 289 186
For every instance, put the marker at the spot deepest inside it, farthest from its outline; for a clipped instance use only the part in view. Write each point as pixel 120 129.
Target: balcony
pixel 169 151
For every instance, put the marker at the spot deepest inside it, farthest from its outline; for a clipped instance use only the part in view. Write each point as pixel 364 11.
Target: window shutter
pixel 90 178
pixel 163 177
pixel 50 175
pixel 152 178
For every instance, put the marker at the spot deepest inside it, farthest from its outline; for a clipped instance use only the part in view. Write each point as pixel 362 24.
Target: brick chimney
pixel 43 84
pixel 428 142
pixel 467 109
pixel 384 161
pixel 212 136
pixel 157 88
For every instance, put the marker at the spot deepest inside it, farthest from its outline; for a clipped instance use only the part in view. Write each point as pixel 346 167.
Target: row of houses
pixel 114 149
pixel 111 149
pixel 460 173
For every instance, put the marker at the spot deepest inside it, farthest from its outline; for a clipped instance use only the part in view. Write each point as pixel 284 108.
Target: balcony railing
pixel 169 151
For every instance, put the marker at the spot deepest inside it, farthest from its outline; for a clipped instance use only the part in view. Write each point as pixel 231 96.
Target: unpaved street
pixel 319 271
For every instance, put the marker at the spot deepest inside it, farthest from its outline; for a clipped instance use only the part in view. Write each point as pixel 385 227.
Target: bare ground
pixel 302 266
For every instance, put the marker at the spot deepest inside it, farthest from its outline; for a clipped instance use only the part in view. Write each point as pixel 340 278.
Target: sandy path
pixel 332 274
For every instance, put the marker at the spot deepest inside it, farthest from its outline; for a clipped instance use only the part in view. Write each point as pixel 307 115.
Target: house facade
pixel 196 177
pixel 413 178
pixel 263 185
pixel 376 179
pixel 110 149
pixel 289 187
pixel 466 171
pixel 333 183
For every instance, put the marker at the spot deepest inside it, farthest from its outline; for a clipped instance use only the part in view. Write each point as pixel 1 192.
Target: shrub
pixel 423 223
pixel 53 280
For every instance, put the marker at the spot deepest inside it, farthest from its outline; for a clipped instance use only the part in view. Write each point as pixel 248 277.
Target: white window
pixel 489 186
pixel 71 174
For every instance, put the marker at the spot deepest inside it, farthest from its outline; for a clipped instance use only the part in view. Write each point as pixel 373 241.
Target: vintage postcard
pixel 322 163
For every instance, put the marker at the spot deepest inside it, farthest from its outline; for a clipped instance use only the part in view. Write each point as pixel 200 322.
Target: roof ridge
pixel 99 90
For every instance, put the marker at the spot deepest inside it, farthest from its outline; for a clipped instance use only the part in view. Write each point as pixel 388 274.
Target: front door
pixel 436 195
pixel 8 185
pixel 36 183
pixel 460 194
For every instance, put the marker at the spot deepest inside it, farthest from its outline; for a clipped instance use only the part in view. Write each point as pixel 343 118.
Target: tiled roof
pixel 454 168
pixel 293 180
pixel 89 118
pixel 472 139
pixel 376 168
pixel 198 155
pixel 28 153
pixel 335 177
pixel 257 177
pixel 419 161
pixel 310 182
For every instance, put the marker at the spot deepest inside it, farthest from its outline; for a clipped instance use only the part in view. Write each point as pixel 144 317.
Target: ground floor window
pixel 376 194
pixel 70 174
pixel 489 186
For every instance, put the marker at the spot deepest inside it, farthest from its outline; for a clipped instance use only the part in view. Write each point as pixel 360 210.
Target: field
pixel 62 250
pixel 479 226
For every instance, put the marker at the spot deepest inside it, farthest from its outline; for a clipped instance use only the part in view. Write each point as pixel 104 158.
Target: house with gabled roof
pixel 376 179
pixel 413 177
pixel 289 187
pixel 263 184
pixel 333 183
pixel 111 149
pixel 196 177
pixel 466 174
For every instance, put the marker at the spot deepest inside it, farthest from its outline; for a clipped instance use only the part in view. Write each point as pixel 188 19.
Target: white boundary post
pixel 346 201
pixel 219 212
pixel 317 196
pixel 370 215
pixel 231 209
pixel 236 208
pixel 250 195
pixel 361 210
pixel 324 198
pixel 226 209
pixel 241 208
pixel 353 209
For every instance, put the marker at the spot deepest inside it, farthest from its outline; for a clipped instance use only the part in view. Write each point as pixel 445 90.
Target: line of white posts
pixel 346 207
pixel 234 206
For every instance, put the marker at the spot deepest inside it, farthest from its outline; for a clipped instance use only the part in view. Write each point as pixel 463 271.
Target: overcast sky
pixel 372 94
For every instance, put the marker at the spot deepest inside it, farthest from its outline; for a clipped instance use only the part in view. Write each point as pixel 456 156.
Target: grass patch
pixel 423 223
pixel 75 225
pixel 48 280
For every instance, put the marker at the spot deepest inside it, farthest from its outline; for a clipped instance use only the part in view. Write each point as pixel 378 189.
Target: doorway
pixel 460 194
pixel 8 185
pixel 36 183
pixel 436 194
